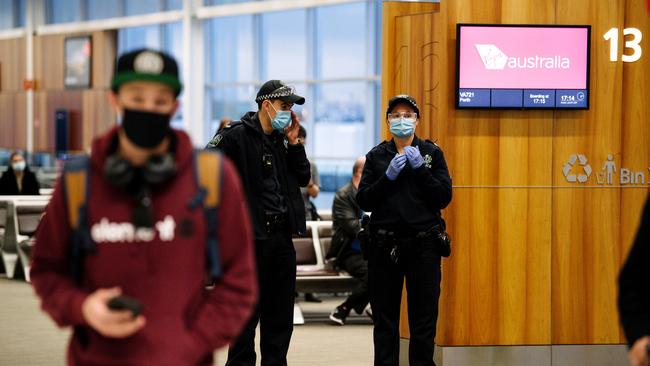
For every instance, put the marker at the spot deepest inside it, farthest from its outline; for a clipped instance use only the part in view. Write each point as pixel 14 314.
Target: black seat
pixel 305 252
pixel 28 218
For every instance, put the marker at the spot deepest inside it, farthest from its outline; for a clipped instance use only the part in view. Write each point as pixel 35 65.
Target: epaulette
pixel 433 143
pixel 216 139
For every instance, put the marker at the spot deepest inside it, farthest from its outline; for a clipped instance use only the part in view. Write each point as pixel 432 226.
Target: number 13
pixel 634 44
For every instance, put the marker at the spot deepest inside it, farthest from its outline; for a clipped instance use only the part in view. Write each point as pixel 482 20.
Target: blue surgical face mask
pixel 281 120
pixel 402 127
pixel 18 166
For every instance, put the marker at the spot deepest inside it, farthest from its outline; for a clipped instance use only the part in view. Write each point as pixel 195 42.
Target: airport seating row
pixel 19 218
pixel 315 273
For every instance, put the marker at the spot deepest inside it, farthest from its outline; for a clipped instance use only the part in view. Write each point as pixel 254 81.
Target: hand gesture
pixel 638 354
pixel 107 322
pixel 414 157
pixel 396 165
pixel 292 130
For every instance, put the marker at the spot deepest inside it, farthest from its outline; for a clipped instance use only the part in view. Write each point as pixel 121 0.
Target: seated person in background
pixel 345 245
pixel 18 179
pixel 313 188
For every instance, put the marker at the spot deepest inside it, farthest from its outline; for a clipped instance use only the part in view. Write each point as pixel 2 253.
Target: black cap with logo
pixel 276 89
pixel 404 99
pixel 146 65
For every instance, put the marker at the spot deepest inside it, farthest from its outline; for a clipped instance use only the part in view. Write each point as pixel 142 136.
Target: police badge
pixel 215 140
pixel 427 160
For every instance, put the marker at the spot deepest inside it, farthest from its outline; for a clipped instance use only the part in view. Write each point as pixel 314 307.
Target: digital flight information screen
pixel 522 66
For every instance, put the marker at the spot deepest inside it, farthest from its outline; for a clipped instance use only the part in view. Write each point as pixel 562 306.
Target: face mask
pixel 19 166
pixel 145 129
pixel 281 120
pixel 402 127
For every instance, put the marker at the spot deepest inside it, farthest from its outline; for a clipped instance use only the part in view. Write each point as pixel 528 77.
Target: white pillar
pixel 193 74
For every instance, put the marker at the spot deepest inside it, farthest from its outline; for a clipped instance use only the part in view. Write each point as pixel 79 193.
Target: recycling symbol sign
pixel 577 162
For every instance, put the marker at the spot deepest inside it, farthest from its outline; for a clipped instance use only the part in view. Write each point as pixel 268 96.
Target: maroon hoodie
pixel 166 272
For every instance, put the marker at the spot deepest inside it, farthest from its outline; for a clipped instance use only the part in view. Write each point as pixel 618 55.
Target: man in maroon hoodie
pixel 149 240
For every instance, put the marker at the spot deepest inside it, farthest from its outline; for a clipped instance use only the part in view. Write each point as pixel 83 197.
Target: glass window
pixel 342 40
pixel 63 11
pixel 173 42
pixel 130 39
pixel 101 9
pixel 340 113
pixel 174 5
pixel 7 14
pixel 284 45
pixel 222 2
pixel 22 13
pixel 229 50
pixel 231 102
pixel 142 7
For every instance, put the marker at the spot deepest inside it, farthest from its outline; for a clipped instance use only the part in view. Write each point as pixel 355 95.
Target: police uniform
pixel 405 212
pixel 272 172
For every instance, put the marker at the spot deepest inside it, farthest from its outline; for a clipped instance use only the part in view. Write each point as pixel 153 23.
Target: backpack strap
pixel 76 190
pixel 208 167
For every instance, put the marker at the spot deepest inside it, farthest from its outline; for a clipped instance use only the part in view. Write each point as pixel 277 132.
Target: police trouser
pixel 417 261
pixel 276 271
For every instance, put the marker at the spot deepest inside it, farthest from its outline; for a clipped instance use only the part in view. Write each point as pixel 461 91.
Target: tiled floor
pixel 28 337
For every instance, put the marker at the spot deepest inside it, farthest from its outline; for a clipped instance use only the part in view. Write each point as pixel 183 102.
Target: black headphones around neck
pixel 120 173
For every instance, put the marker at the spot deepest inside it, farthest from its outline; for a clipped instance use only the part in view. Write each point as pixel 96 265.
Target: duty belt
pixel 275 222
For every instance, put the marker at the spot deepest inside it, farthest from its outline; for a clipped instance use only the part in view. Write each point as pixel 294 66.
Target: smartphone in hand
pixel 119 303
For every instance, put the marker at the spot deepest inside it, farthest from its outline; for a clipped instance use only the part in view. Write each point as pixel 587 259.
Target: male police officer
pixel 405 184
pixel 144 237
pixel 272 163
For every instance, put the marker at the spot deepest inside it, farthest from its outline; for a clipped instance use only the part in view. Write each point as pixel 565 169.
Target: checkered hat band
pixel 283 91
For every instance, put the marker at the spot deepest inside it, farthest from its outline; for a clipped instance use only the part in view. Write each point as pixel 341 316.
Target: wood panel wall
pixel 89 109
pixel 12 97
pixel 535 258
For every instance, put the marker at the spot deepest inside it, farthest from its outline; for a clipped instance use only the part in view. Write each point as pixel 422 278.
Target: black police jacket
pixel 413 201
pixel 346 214
pixel 634 283
pixel 243 143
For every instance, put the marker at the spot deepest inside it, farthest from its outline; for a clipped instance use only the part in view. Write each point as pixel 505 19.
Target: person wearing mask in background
pixel 272 164
pixel 634 294
pixel 18 179
pixel 147 238
pixel 405 184
pixel 311 191
pixel 346 216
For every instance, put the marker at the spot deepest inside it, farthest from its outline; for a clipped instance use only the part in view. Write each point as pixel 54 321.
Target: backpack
pixel 76 189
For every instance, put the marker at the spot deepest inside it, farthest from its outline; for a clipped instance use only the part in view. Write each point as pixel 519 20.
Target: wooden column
pixel 535 258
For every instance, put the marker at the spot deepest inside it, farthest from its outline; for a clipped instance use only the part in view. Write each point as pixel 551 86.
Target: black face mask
pixel 145 129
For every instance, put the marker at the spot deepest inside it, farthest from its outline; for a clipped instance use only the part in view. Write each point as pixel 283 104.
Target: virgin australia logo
pixel 494 59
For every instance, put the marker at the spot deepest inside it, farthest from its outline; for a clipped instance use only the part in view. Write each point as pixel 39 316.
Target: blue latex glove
pixel 414 157
pixel 396 165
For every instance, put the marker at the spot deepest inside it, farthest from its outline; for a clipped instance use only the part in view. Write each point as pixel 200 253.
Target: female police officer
pixel 405 184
